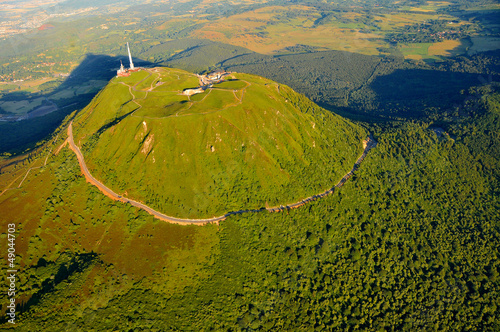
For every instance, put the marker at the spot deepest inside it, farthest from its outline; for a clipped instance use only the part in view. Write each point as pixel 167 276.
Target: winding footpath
pixel 110 193
pixel 151 89
pixel 369 144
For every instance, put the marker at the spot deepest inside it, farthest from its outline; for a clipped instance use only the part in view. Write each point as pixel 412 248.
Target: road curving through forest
pixel 370 143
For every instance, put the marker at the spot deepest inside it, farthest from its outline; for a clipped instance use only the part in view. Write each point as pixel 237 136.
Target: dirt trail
pixel 151 89
pixel 369 144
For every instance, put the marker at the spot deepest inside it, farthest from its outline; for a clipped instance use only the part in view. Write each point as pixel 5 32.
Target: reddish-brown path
pixel 369 144
pixel 111 194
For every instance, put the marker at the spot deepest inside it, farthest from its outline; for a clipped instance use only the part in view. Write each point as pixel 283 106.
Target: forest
pixel 372 88
pixel 408 244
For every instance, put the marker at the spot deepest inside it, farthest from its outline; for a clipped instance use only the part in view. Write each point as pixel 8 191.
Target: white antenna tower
pixel 130 57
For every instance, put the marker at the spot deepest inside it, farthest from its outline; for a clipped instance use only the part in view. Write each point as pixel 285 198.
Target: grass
pixel 147 83
pixel 430 6
pixel 57 212
pixel 133 78
pixel 67 93
pixel 253 31
pixel 214 100
pixel 434 51
pixel 199 96
pixel 215 154
pixel 8 87
pixel 115 95
pixel 415 48
pixel 21 107
pixel 169 108
pixel 176 80
pixel 446 48
pixel 231 85
pixel 243 30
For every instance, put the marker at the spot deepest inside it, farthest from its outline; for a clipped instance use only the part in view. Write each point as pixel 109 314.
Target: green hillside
pixel 410 243
pixel 244 143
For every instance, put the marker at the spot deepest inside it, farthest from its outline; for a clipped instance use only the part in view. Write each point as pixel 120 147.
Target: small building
pixel 190 92
pixel 216 75
pixel 122 72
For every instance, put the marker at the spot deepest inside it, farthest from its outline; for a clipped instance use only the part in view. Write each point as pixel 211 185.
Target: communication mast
pixel 130 58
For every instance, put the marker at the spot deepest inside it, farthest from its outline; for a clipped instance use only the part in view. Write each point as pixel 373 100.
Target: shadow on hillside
pixel 415 84
pixel 412 93
pixel 77 90
pixel 409 92
pixel 372 88
pixel 70 269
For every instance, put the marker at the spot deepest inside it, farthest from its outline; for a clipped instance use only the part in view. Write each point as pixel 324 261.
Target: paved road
pixel 371 143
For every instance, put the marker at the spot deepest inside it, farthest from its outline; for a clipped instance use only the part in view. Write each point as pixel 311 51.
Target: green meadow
pixel 244 143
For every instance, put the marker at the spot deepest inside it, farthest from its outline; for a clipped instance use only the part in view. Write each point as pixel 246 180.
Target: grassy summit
pixel 243 143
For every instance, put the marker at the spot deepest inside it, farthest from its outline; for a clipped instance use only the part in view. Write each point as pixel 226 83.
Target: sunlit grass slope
pixel 243 143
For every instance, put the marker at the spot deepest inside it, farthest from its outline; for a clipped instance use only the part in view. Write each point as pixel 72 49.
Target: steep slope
pixel 244 143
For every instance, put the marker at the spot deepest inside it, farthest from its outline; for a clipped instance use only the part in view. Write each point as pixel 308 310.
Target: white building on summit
pixel 122 71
